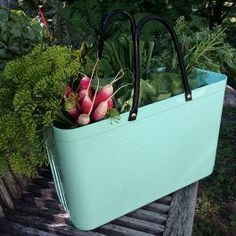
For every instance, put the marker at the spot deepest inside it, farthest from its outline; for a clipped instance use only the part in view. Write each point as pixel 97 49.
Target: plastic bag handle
pixel 141 23
pixel 136 30
pixel 105 23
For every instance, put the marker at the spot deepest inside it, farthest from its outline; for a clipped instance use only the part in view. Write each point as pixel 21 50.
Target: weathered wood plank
pixel 46 213
pixel 42 202
pixel 140 225
pixel 4 195
pixel 46 224
pixel 22 181
pixel 157 207
pixel 43 182
pixel 30 194
pixel 45 172
pixel 165 200
pixel 148 216
pixel 116 230
pixel 11 185
pixel 1 212
pixel 181 213
pixel 44 192
pixel 19 230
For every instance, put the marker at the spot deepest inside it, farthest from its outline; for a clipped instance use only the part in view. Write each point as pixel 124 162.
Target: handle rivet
pixel 133 115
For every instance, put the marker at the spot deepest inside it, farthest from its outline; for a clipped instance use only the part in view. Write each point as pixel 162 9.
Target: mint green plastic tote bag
pixel 103 171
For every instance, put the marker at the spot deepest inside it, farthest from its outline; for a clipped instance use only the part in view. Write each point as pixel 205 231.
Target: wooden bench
pixel 33 209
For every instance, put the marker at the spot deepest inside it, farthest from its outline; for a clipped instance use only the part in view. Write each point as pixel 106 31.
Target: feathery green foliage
pixel 31 90
pixel 207 48
pixel 202 48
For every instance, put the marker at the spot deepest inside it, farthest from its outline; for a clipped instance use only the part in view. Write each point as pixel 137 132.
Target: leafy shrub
pixel 203 48
pixel 18 34
pixel 233 222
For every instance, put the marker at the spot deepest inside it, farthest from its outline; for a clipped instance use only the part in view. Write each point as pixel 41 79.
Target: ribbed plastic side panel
pixel 107 170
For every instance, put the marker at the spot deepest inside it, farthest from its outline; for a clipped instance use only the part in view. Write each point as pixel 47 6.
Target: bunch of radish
pixel 87 105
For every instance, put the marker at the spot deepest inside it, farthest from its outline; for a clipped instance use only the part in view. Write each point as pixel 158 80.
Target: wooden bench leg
pixel 1 212
pixel 181 213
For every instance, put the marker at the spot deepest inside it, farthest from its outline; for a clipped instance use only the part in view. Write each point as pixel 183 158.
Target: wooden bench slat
pixel 31 209
pixel 1 212
pixel 43 202
pixel 28 194
pixel 47 225
pixel 157 207
pixel 4 195
pixel 45 172
pixel 116 230
pixel 165 200
pixel 140 225
pixel 20 230
pixel 44 192
pixel 11 185
pixel 43 182
pixel 181 214
pixel 148 216
pixel 22 181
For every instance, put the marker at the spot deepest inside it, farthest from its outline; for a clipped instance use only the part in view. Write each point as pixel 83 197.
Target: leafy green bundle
pixel 31 90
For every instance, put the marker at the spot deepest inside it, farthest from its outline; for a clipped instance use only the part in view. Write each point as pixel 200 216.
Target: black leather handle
pixel 136 31
pixel 142 22
pixel 105 23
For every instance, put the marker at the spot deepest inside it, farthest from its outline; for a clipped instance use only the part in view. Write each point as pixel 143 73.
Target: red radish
pixel 68 91
pixel 100 112
pixel 74 113
pixel 102 100
pixel 103 94
pixel 86 105
pixel 90 93
pixel 110 103
pixel 106 92
pixel 85 88
pixel 84 82
pixel 82 93
pixel 71 108
pixel 83 119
